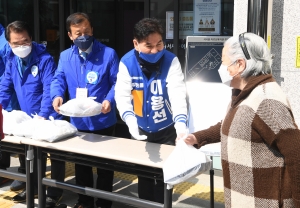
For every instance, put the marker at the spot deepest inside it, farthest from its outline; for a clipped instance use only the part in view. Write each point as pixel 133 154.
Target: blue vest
pixel 151 102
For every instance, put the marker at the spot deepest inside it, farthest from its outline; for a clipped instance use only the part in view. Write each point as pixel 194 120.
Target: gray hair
pixel 261 58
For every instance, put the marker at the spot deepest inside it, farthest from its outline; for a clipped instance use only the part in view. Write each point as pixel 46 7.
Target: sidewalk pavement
pixel 193 193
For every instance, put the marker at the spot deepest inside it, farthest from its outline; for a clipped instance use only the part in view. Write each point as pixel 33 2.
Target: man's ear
pixel 135 44
pixel 70 36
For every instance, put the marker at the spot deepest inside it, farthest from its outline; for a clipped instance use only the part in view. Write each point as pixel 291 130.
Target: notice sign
pixel 298 52
pixel 207 17
pixel 204 57
pixel 185 24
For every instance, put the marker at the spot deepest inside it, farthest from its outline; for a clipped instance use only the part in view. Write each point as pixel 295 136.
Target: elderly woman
pixel 260 141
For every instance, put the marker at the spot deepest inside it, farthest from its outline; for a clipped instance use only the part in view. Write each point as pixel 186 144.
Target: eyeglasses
pixel 23 45
pixel 243 46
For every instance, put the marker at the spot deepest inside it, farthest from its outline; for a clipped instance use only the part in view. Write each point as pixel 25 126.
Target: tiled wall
pixel 285 29
pixel 290 11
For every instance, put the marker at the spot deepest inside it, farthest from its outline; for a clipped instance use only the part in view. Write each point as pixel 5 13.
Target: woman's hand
pixel 190 139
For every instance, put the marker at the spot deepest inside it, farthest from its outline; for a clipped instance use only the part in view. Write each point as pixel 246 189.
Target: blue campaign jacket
pixel 153 102
pixel 71 74
pixel 33 89
pixel 4 49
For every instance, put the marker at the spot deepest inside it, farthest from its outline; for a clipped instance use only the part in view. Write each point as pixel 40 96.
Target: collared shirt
pixel 88 51
pixel 23 62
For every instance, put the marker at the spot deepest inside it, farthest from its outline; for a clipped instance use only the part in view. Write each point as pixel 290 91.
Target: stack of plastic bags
pixel 18 123
pixel 11 119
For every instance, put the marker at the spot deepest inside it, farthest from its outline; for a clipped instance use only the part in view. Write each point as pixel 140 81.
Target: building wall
pixel 285 29
pixel 290 76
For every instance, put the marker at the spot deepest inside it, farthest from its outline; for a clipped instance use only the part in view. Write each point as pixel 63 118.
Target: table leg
pixel 41 167
pixel 168 197
pixel 29 152
pixel 211 173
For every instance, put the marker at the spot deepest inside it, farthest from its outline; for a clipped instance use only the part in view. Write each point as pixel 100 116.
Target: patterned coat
pixel 260 147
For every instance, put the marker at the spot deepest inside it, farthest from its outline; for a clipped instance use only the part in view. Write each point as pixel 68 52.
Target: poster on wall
pixel 207 17
pixel 204 57
pixel 185 24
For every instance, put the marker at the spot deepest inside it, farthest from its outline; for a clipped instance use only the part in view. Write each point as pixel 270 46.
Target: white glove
pixel 131 122
pixel 181 130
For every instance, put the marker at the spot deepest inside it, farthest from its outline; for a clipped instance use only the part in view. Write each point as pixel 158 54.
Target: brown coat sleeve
pixel 275 124
pixel 208 136
pixel 288 143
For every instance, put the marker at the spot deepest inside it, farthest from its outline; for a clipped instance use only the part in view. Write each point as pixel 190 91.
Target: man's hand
pixel 106 108
pixel 131 122
pixel 57 102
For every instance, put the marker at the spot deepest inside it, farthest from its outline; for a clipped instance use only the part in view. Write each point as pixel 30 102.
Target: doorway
pixel 113 20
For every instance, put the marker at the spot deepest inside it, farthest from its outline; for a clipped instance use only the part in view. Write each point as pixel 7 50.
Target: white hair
pixel 260 57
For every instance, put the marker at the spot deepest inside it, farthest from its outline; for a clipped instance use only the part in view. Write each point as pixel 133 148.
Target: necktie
pixel 22 66
pixel 83 55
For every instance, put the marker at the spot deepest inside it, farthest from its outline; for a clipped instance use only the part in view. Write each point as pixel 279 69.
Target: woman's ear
pixel 242 64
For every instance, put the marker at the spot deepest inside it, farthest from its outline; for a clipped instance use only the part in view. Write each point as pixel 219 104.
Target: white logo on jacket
pixel 34 70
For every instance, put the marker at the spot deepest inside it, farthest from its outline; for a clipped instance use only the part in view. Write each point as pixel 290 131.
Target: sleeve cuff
pixel 126 115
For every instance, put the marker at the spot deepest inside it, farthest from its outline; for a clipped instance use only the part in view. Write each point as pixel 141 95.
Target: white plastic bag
pixel 184 162
pixel 26 128
pixel 11 119
pixel 53 130
pixel 81 107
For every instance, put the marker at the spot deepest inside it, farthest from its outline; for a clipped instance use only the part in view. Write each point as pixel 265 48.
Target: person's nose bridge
pixel 154 49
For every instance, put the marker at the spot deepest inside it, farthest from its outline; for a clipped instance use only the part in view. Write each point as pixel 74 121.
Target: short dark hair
pixel 77 18
pixel 17 27
pixel 145 27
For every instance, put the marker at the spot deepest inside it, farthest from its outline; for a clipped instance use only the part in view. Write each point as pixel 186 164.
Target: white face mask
pixel 224 74
pixel 22 51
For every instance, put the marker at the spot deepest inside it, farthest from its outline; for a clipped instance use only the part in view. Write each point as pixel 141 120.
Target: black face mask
pixel 83 42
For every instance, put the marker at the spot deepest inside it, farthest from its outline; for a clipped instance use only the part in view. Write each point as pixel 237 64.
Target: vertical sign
pixel 298 52
pixel 269 41
pixel 269 22
pixel 207 17
pixel 208 97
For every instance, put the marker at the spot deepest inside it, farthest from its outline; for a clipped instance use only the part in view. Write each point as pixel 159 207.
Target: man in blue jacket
pixel 4 49
pixel 13 105
pixel 29 71
pixel 89 69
